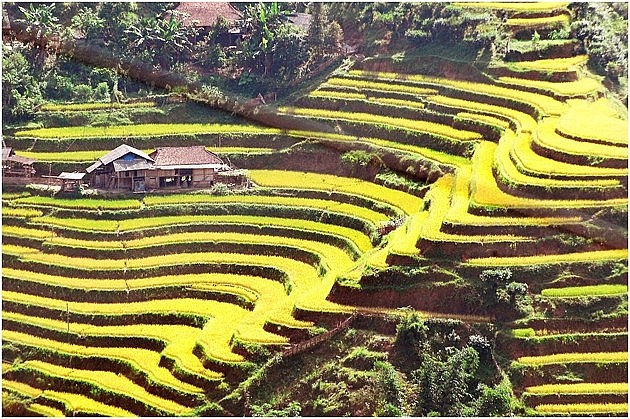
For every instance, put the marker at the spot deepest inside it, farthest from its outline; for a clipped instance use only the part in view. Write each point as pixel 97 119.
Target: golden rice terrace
pixel 161 304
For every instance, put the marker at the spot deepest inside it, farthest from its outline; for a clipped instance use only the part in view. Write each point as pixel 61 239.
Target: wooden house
pixel 184 167
pixel 122 168
pixel 16 166
pixel 127 168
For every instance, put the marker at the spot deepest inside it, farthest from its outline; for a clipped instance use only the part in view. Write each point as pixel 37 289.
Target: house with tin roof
pixel 127 168
pixel 123 168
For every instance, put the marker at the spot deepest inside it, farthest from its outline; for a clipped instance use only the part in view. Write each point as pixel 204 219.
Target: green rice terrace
pixel 425 230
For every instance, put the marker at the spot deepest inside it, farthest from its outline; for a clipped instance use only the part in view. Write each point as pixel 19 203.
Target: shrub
pixel 221 189
pixel 411 331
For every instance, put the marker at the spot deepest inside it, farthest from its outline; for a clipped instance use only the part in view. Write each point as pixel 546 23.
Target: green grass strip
pixel 81 203
pixel 65 107
pixel 581 409
pixel 579 388
pixel 411 124
pixel 144 130
pixel 586 291
pixel 574 357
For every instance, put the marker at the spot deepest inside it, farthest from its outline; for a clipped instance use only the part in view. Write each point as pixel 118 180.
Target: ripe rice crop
pixel 331 206
pixel 180 339
pixel 532 163
pixel 581 87
pixel 485 118
pixel 460 199
pixel 588 290
pixel 509 171
pixel 398 102
pixel 81 203
pixel 487 193
pixel 547 104
pixel 66 107
pixel 45 411
pixel 20 212
pixel 72 402
pixel 330 254
pixel 381 86
pixel 551 21
pixel 512 6
pixel 440 204
pixel 362 242
pixel 547 137
pixel 579 388
pixel 580 409
pixel 144 130
pixel 596 122
pixel 107 380
pixel 336 94
pixel 411 124
pixel 14 195
pixel 199 307
pixel 303 180
pixel 594 256
pixel 82 224
pixel 428 153
pixel 599 357
pixel 32 233
pixel 552 64
pixel 521 119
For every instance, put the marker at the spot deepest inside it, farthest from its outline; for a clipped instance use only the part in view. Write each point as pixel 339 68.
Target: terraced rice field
pixel 157 305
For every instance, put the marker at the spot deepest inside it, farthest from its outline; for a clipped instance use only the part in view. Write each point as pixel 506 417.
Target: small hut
pixel 16 166
pixel 71 182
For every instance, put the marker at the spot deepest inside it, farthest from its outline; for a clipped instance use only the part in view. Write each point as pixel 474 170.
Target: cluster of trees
pixel 603 30
pixel 271 53
pixel 453 376
pixel 399 25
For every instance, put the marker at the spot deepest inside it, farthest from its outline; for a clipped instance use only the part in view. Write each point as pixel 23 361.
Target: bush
pixel 221 189
pixel 411 331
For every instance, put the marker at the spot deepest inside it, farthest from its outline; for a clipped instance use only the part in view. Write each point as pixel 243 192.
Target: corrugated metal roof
pixel 117 153
pixel 6 152
pixel 21 160
pixel 121 151
pixel 71 176
pixel 127 165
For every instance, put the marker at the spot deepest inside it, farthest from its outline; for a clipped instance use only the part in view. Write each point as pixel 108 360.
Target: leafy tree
pixel 603 30
pixel 41 20
pixel 390 388
pixel 446 386
pixel 262 21
pixel 411 331
pixel 161 41
pixel 21 90
pixel 88 23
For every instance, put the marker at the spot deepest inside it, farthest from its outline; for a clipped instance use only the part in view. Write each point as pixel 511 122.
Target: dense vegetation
pixel 438 226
